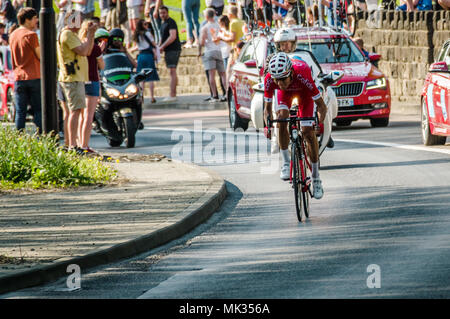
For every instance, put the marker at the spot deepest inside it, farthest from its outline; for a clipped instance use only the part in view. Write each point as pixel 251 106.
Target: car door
pixel 247 71
pixel 439 87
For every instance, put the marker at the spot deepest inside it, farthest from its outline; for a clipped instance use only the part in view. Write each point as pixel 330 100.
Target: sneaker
pixel 208 99
pixel 170 99
pixel 214 100
pixel 285 173
pixel 330 143
pixel 317 188
pixel 223 99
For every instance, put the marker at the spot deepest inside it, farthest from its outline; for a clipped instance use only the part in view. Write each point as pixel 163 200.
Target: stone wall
pixel 408 43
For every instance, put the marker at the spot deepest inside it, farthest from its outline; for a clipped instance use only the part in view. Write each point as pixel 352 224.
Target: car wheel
pixel 427 137
pixel 236 121
pixel 383 122
pixel 343 122
pixel 11 116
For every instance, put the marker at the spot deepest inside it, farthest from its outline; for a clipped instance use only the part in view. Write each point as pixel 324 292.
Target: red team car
pixel 436 100
pixel 362 93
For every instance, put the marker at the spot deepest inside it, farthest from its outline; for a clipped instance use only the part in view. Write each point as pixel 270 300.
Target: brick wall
pixel 408 43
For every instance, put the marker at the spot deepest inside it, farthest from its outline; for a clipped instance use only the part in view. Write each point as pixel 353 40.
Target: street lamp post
pixel 48 67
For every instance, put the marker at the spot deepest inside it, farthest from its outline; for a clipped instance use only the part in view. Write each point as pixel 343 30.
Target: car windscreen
pixel 332 50
pixel 117 67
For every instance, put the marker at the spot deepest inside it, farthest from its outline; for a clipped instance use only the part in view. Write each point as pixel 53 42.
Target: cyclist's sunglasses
pixel 282 79
pixel 118 39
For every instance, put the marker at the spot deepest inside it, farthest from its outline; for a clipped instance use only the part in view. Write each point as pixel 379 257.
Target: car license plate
pixel 345 102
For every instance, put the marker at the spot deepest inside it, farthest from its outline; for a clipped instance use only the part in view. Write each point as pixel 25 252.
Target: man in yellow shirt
pixel 74 72
pixel 236 26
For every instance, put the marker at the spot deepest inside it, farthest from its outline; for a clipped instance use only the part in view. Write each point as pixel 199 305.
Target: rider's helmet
pixel 115 34
pixel 285 35
pixel 101 34
pixel 280 66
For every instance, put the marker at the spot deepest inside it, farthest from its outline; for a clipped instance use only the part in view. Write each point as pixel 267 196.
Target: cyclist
pixel 293 79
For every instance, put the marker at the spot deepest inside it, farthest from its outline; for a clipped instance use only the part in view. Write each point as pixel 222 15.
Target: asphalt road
pixel 380 231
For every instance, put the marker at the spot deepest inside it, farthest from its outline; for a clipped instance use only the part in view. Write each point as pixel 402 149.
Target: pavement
pixel 155 201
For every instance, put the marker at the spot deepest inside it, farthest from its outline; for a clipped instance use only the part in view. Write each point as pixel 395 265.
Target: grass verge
pixel 37 162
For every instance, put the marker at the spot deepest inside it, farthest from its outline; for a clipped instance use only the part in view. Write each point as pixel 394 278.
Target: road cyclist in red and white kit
pixel 293 79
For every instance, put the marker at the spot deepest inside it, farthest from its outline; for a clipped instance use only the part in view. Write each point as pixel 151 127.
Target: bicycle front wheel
pixel 300 183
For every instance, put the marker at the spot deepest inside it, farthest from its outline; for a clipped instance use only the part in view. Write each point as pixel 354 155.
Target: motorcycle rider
pixel 293 79
pixel 115 44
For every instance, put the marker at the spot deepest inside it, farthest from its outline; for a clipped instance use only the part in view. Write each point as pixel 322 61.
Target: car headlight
pixel 114 93
pixel 131 89
pixel 376 84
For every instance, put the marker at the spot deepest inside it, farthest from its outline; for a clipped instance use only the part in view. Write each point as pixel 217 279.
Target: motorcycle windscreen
pixel 117 67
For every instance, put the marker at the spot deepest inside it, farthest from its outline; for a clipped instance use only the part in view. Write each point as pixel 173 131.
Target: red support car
pixel 436 100
pixel 362 93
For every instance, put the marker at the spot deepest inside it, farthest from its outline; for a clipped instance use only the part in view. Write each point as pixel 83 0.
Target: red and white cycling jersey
pixel 302 87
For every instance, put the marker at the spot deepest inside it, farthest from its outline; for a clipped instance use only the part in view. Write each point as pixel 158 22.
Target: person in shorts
pixel 171 46
pixel 212 58
pixel 74 72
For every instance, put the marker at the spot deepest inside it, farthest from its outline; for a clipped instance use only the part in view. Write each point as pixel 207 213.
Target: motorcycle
pixel 119 112
pixel 323 83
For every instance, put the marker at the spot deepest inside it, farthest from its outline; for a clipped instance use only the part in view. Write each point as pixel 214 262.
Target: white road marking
pixel 395 145
pixel 386 144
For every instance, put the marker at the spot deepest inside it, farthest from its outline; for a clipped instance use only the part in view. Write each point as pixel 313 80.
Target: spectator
pixel 282 9
pixel 74 72
pixel 86 7
pixel 170 44
pixel 218 6
pixel 3 36
pixel 134 13
pixel 92 87
pixel 65 8
pixel 412 5
pixel 191 9
pixel 224 33
pixel 147 54
pixel 236 26
pixel 222 85
pixel 8 13
pixel 445 4
pixel 25 57
pixel 360 43
pixel 104 9
pixel 212 58
pixel 151 10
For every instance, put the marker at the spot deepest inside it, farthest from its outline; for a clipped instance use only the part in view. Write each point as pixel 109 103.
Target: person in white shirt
pixel 212 58
pixel 143 36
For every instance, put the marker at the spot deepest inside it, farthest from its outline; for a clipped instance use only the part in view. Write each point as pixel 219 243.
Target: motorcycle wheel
pixel 130 131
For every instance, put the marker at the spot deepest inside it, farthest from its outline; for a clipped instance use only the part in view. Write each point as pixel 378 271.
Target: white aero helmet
pixel 280 66
pixel 285 35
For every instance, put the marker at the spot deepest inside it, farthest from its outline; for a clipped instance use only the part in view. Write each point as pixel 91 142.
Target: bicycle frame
pixel 296 137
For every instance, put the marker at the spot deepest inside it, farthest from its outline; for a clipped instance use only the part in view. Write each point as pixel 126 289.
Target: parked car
pixel 362 93
pixel 435 99
pixel 7 109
